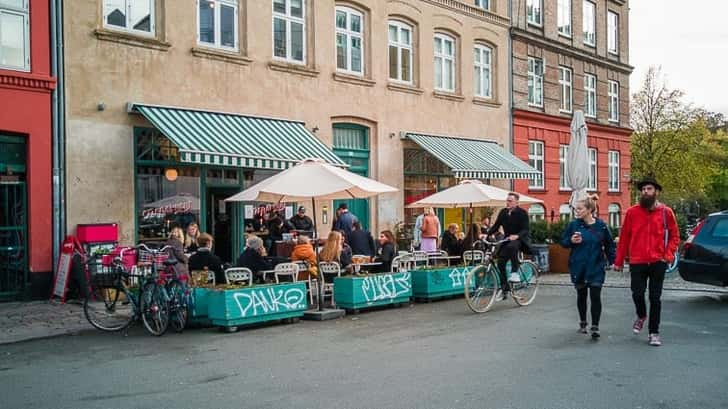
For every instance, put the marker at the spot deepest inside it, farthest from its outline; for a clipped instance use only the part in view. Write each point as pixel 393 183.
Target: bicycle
pixel 483 281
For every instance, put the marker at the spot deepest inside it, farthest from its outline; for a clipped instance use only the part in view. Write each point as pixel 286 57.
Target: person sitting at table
pixel 276 228
pixel 361 241
pixel 386 252
pixel 304 252
pixel 337 250
pixel 205 258
pixel 450 242
pixel 175 250
pixel 191 236
pixel 253 258
pixel 472 236
pixel 300 222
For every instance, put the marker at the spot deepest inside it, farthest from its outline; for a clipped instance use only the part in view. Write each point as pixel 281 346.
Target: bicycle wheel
pixel 108 308
pixel 154 308
pixel 178 305
pixel 524 292
pixel 481 286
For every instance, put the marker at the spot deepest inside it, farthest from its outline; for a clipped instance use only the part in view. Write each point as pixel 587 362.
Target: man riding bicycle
pixel 514 221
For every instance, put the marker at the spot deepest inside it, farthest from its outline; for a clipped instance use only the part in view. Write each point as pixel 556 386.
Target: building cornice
pixel 27 81
pixel 561 48
pixel 562 122
pixel 471 11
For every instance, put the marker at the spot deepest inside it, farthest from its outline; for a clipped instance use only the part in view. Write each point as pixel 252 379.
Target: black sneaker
pixel 595 332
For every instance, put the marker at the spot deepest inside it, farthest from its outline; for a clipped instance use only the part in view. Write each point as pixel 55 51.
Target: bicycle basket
pixel 147 258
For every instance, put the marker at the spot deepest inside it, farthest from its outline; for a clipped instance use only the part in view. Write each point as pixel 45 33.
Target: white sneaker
pixel 515 278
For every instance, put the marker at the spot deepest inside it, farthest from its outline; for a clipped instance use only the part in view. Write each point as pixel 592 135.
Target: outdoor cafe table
pixel 437 282
pixel 357 292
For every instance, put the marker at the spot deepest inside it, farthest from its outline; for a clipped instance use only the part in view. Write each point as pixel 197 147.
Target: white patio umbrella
pixel 312 179
pixel 577 159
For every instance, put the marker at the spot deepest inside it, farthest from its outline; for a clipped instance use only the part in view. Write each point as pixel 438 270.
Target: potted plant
pixel 558 256
pixel 539 234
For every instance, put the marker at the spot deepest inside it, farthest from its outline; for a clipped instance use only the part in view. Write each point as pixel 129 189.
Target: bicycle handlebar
pixel 143 246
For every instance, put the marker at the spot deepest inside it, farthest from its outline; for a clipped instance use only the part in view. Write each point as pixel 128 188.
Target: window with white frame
pixel 349 40
pixel 218 23
pixel 536 212
pixel 400 52
pixel 131 15
pixel 533 12
pixel 614 101
pixel 592 185
pixel 589 23
pixel 563 163
pixel 563 17
pixel 590 95
pixel 566 89
pixel 535 159
pixel 289 30
pixel 444 63
pixel 483 69
pixel 613 171
pixel 15 35
pixel 535 81
pixel 484 4
pixel 612 32
pixel 565 212
pixel 615 215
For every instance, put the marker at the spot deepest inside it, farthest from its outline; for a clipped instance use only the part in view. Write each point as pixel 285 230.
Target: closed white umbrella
pixel 577 159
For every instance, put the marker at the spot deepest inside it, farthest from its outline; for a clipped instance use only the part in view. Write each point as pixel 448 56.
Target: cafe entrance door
pixel 224 221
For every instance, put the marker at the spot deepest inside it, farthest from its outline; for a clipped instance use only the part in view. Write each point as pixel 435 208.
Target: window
pixel 400 52
pixel 483 58
pixel 590 34
pixel 132 15
pixel 613 171
pixel 289 30
pixel 720 230
pixel 565 212
pixel 614 101
pixel 612 32
pixel 14 35
pixel 535 81
pixel 484 4
pixel 533 12
pixel 218 23
pixel 566 90
pixel 592 185
pixel 563 163
pixel 590 95
pixel 563 18
pixel 614 215
pixel 444 63
pixel 536 212
pixel 535 159
pixel 349 41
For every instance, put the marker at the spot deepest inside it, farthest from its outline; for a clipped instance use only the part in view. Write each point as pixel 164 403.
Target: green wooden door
pixel 351 144
pixel 13 218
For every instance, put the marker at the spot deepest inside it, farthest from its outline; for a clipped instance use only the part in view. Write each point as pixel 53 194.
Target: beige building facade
pixel 400 66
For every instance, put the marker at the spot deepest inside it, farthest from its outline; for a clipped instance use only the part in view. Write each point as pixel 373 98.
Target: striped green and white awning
pixel 224 139
pixel 474 159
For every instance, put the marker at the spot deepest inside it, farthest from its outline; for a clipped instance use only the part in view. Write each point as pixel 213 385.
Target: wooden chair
pixel 238 275
pixel 286 270
pixel 328 270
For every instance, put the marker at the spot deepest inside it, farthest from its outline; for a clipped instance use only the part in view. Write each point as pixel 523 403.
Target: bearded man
pixel 649 237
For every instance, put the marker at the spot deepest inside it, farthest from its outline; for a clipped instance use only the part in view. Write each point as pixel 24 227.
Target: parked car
pixel 704 257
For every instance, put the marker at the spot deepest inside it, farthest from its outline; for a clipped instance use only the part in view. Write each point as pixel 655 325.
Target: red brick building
pixel 571 55
pixel 26 87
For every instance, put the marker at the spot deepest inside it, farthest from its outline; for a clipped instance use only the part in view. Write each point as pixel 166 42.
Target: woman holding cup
pixel 592 248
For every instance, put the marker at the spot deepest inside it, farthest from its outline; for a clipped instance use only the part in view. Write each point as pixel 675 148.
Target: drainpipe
pixel 510 80
pixel 58 128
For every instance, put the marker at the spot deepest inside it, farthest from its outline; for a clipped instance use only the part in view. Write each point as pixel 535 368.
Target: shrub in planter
pixel 556 230
pixel 558 256
pixel 539 231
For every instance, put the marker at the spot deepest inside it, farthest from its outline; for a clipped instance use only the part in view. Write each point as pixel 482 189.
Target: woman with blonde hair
pixel 336 250
pixel 175 250
pixel 430 231
pixel 191 236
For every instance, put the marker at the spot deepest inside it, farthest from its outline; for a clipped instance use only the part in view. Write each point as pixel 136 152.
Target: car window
pixel 720 229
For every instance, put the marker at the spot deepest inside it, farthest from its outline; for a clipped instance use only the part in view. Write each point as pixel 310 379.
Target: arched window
pixel 400 51
pixel 349 40
pixel 444 62
pixel 565 212
pixel 536 212
pixel 615 215
pixel 483 69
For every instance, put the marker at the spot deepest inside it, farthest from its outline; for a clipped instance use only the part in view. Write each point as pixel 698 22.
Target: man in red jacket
pixel 649 236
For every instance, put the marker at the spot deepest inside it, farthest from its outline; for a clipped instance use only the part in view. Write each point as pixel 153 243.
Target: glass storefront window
pixel 166 200
pixel 219 176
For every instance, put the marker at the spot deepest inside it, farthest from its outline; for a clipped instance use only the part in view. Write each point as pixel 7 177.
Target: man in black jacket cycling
pixel 514 221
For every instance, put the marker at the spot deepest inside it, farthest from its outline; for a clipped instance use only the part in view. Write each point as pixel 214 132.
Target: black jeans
pixel 655 273
pixel 596 302
pixel 508 251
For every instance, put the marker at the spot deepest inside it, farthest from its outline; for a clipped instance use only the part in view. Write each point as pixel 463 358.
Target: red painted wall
pixel 555 131
pixel 25 109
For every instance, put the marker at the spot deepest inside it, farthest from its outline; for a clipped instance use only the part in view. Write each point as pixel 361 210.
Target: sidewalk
pixel 23 321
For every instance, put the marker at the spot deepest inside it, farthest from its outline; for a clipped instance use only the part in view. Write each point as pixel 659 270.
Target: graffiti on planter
pixel 457 276
pixel 386 286
pixel 270 300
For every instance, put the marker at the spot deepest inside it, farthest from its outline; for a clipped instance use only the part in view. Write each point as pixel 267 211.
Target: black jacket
pixel 362 242
pixel 204 258
pixel 451 244
pixel 253 260
pixel 386 254
pixel 515 223
pixel 301 223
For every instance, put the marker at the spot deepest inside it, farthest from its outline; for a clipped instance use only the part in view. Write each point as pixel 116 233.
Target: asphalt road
pixel 437 355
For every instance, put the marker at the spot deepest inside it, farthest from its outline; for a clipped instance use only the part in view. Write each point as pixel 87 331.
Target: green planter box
pixel 230 308
pixel 198 314
pixel 440 282
pixel 357 292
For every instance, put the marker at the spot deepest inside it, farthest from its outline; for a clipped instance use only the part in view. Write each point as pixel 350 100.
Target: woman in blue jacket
pixel 592 248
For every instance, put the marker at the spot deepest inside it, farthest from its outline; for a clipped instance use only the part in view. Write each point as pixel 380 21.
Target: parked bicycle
pixel 483 281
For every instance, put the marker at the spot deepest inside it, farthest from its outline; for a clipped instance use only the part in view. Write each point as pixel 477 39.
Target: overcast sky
pixel 690 40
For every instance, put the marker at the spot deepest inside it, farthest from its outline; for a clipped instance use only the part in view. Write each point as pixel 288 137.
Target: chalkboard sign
pixel 63 269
